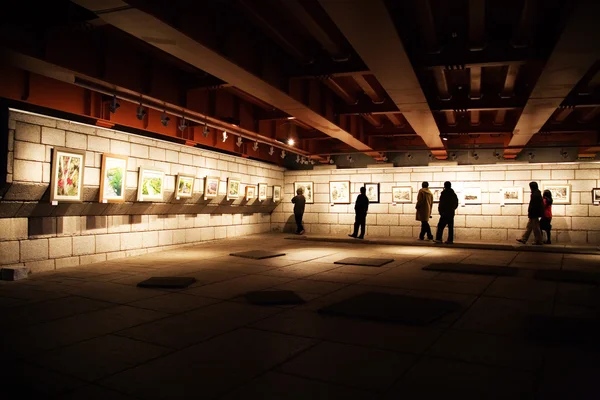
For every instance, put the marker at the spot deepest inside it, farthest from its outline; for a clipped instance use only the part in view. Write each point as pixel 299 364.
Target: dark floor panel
pixel 364 261
pixel 568 276
pixel 167 282
pixel 273 297
pixel 392 308
pixel 571 330
pixel 257 254
pixel 472 269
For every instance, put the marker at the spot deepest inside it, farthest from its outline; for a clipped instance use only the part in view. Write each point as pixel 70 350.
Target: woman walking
pixel 547 216
pixel 424 207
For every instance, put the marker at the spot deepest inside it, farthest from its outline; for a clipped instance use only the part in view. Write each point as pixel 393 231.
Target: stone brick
pixel 157 154
pixel 13 229
pixel 115 255
pixel 563 174
pixel 320 229
pixel 493 176
pixel 494 235
pixel 570 237
pixel 189 221
pixel 138 223
pixel 9 252
pixel 582 185
pixel 66 262
pixel 76 141
pixel 27 171
pixel 188 159
pixel 402 231
pixel 29 151
pixel 491 209
pixel 378 209
pixel 40 266
pixel 15 273
pixel 460 221
pixel 518 175
pixel 470 209
pixel 84 245
pixel 91 177
pixel 387 219
pixel 60 247
pixel 593 211
pixel 220 232
pixel 108 243
pixel 466 234
pixel 150 239
pixel 98 144
pixel 139 150
pixel 467 176
pixel 474 221
pixel 588 173
pixel 133 240
pixel 585 223
pixel 132 180
pixel 192 235
pixel 53 136
pixel 118 224
pixel 28 132
pixel 92 259
pixel 33 250
pixel 511 209
pixel 165 238
pixel 170 222
pixel 576 210
pixel 538 175
pixel 207 233
pixel 378 231
pixel 76 127
pixel 120 147
pixel 328 218
pixel 505 221
pixel 172 156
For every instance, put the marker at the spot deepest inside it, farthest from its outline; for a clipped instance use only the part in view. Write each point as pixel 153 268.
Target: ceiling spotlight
pixel 497 155
pixel 385 159
pixel 409 156
pixel 282 153
pixel 312 162
pixel 182 124
pixel 430 156
pixel 205 131
pixel 141 112
pixel 350 159
pixel 330 160
pixel 297 159
pixel 291 141
pixel 531 155
pixel 114 105
pixel 164 120
pixel 453 156
pixel 444 138
pixel 255 146
pixel 271 151
pixel 225 136
pixel 239 141
pixel 564 154
pixel 304 160
pixel 475 156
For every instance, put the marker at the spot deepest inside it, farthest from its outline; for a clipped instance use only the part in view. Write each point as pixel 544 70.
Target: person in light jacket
pixel 447 206
pixel 424 208
pixel 534 212
pixel 360 207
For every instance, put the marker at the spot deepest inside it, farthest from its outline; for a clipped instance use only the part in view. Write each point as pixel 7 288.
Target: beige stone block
pixel 98 144
pixel 220 232
pixel 563 174
pixel 578 237
pixel 582 185
pixel 349 218
pixel 28 132
pixel 444 176
pixel 60 247
pixel 321 198
pixel 108 243
pixel 459 221
pixel 593 210
pixel 378 231
pixel 538 175
pixel 493 176
pixel 511 209
pixel 13 229
pixel 468 176
pixel 94 225
pixel 319 229
pixel 76 141
pixel 378 208
pixel 322 188
pixel 120 147
pixel 466 234
pixel 84 245
pixel 76 127
pixel 68 226
pixel 150 239
pixel 308 218
pixel 193 235
pixel 118 224
pixel 328 218
pixel 138 223
pixel 46 170
pixel 9 252
pixel 585 197
pixel 387 219
pixel 131 241
pixel 340 230
pixel 469 209
pixel 66 262
pixel 29 151
pixel 170 221
pixel 371 219
pixel 491 209
pixel 92 259
pixel 407 220
pixel 142 140
pixel 207 233
pixel 518 175
pixel 91 177
pixel 523 220
pixel 494 235
pixel 139 150
pixel 562 222
pixel 421 177
pixel 585 223
pixel 188 159
pixel 165 238
pixel 588 173
pixel 135 253
pixel 402 231
pixel 40 266
pixel 576 210
pixel 474 221
pixel 505 221
pixel 27 171
pixel 155 222
pixel 157 154
pixel 33 250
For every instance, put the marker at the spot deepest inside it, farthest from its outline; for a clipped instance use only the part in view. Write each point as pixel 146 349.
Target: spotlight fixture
pixel 330 160
pixel 282 153
pixel 531 155
pixel 444 138
pixel 182 124
pixel 350 159
pixel 409 156
pixel 497 155
pixel 291 142
pixel 205 131
pixel 141 112
pixel 239 141
pixel 225 136
pixel 271 151
pixel 475 156
pixel 453 156
pixel 164 120
pixel 312 162
pixel 297 159
pixel 304 161
pixel 430 156
pixel 564 154
pixel 255 146
pixel 385 159
pixel 114 105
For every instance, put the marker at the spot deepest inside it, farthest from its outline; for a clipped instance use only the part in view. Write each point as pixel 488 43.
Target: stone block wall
pixel 35 234
pixel 578 222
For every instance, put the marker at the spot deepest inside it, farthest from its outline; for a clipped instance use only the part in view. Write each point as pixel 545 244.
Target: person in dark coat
pixel 299 206
pixel 447 206
pixel 424 208
pixel 545 222
pixel 360 207
pixel 534 212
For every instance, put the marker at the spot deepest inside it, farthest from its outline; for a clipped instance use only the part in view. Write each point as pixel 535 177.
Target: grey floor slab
pixel 174 303
pixel 522 289
pixel 113 292
pixel 237 286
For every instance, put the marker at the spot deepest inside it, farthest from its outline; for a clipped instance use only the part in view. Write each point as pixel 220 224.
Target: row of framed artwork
pixel 339 193
pixel 68 172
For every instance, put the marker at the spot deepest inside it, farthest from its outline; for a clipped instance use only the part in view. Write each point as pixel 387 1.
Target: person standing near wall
pixel 299 206
pixel 360 208
pixel 447 206
pixel 424 208
pixel 534 212
pixel 545 222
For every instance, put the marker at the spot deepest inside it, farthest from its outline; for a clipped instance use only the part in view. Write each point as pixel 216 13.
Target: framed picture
pixel 307 190
pixel 184 186
pixel 596 196
pixel 211 187
pixel 276 193
pixel 401 194
pixel 561 194
pixel 262 191
pixel 233 189
pixel 151 184
pixel 113 178
pixel 372 192
pixel 471 196
pixel 66 182
pixel 511 195
pixel 250 192
pixel 437 192
pixel 339 192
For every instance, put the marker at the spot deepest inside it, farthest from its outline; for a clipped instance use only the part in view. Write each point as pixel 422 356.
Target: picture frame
pixel 211 187
pixel 339 192
pixel 250 192
pixel 233 189
pixel 184 186
pixel 561 194
pixel 113 178
pixel 596 196
pixel 276 193
pixel 471 195
pixel 262 191
pixel 372 192
pixel 308 188
pixel 436 191
pixel 66 179
pixel 401 194
pixel 511 195
pixel 151 184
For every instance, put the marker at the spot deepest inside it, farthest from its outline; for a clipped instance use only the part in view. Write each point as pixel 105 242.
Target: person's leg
pixel 440 228
pixel 428 231
pixel 423 230
pixel 451 229
pixel 537 233
pixel 356 225
pixel 528 230
pixel 363 225
pixel 298 222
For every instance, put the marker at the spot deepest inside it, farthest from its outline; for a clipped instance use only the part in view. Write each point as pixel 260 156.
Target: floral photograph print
pixel 67 175
pixel 339 192
pixel 233 189
pixel 276 193
pixel 561 194
pixel 401 194
pixel 511 195
pixel 151 184
pixel 372 192
pixel 211 187
pixel 596 196
pixel 262 191
pixel 184 186
pixel 307 190
pixel 112 178
pixel 250 192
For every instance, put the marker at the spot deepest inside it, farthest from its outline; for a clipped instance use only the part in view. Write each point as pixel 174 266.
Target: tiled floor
pixel 90 333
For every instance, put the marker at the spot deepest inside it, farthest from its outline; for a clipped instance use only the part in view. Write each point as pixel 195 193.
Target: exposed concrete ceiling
pixel 370 30
pixel 159 34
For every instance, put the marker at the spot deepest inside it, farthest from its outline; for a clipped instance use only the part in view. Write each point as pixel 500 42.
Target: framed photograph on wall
pixel 276 193
pixel 471 196
pixel 561 194
pixel 113 177
pixel 437 192
pixel 211 187
pixel 511 195
pixel 307 189
pixel 372 192
pixel 596 196
pixel 262 191
pixel 339 192
pixel 401 194
pixel 250 192
pixel 66 181
pixel 233 189
pixel 184 186
pixel 151 184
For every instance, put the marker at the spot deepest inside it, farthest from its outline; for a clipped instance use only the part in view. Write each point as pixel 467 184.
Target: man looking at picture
pixel 447 206
pixel 299 206
pixel 360 207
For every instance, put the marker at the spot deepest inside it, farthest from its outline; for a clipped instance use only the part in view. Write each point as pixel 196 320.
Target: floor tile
pixel 21 380
pixel 310 286
pixel 522 289
pixel 237 286
pixel 578 294
pixel 113 292
pixel 173 303
pixel 94 392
